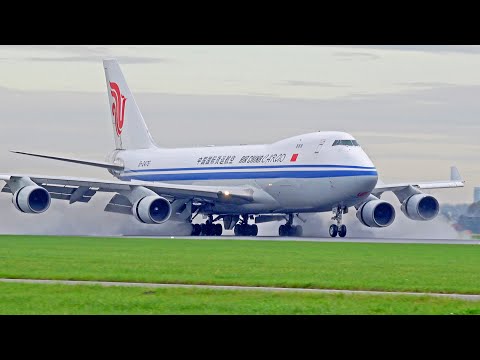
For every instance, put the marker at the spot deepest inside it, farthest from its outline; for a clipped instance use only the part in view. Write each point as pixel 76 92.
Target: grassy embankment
pixel 389 267
pixel 80 299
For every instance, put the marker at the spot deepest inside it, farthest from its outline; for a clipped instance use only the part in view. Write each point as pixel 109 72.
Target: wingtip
pixel 455 174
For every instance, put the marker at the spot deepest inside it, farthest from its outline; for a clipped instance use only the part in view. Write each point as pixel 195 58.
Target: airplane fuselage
pixel 306 173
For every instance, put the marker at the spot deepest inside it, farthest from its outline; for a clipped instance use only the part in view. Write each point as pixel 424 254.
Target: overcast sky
pixel 414 109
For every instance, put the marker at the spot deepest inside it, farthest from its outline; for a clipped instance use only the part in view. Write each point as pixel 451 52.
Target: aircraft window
pixel 345 143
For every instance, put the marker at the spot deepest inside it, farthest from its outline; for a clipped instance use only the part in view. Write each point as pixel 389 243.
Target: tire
pixel 299 231
pixel 292 230
pixel 218 229
pixel 254 230
pixel 282 231
pixel 243 230
pixel 203 229
pixel 210 230
pixel 196 229
pixel 333 231
pixel 342 231
pixel 236 230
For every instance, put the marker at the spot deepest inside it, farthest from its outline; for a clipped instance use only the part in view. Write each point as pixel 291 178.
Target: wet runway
pixel 326 240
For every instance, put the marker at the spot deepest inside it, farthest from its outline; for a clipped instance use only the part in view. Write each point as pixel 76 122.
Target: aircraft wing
pixel 454 182
pixel 82 189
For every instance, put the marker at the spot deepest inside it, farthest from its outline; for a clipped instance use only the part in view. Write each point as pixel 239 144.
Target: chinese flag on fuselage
pixel 294 158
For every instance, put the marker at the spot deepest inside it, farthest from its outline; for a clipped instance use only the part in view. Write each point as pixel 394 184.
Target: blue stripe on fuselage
pixel 200 167
pixel 249 175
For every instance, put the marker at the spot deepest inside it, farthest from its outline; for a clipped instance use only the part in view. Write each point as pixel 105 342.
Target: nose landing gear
pixel 338 229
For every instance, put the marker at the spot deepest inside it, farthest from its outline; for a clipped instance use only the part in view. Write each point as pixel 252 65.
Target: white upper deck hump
pixel 313 137
pixel 129 128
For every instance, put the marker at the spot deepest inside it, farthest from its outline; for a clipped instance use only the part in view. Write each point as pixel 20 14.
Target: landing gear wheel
pixel 218 229
pixel 241 230
pixel 342 231
pixel 333 231
pixel 196 229
pixel 253 230
pixel 292 230
pixel 282 230
pixel 298 231
pixel 244 230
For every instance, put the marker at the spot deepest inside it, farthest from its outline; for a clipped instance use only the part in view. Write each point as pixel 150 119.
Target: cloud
pixel 344 55
pixel 310 83
pixel 82 53
pixel 419 84
pixel 263 94
pixel 465 49
pixel 97 58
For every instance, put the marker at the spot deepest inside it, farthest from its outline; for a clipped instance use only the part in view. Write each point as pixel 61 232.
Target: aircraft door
pixel 319 146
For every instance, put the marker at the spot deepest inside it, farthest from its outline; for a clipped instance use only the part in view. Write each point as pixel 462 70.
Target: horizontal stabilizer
pixel 100 164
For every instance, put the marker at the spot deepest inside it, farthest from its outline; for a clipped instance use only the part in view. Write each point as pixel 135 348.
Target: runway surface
pixel 239 288
pixel 326 240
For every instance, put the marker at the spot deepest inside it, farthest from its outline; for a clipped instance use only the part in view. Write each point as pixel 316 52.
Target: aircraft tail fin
pixel 129 128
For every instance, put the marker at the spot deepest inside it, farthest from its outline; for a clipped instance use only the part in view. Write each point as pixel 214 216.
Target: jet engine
pixel 376 213
pixel 421 207
pixel 31 199
pixel 152 210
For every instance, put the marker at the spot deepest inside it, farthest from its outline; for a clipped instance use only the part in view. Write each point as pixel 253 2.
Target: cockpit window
pixel 345 143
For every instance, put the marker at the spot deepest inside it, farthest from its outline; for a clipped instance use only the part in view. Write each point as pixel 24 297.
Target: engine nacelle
pixel 376 213
pixel 421 207
pixel 152 210
pixel 31 199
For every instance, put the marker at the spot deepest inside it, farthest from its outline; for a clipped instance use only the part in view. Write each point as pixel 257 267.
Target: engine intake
pixel 376 213
pixel 31 199
pixel 421 207
pixel 152 210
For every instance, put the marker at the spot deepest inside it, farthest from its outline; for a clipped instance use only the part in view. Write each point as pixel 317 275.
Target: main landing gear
pixel 289 229
pixel 339 229
pixel 207 229
pixel 244 229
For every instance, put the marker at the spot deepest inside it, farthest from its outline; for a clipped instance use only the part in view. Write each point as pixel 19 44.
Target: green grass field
pixel 390 267
pixel 82 299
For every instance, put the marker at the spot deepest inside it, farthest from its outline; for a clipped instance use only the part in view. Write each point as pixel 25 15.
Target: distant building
pixel 470 220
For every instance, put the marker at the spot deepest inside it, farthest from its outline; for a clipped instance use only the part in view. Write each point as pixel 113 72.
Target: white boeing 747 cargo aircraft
pixel 316 172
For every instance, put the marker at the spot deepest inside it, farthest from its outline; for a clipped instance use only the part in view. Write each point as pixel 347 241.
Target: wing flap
pixel 68 185
pixel 119 209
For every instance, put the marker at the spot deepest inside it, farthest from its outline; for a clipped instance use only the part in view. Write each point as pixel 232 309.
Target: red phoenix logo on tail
pixel 118 107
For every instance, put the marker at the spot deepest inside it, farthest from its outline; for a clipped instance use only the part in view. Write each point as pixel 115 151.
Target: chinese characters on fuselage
pixel 248 159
